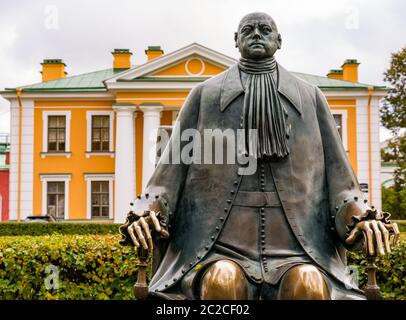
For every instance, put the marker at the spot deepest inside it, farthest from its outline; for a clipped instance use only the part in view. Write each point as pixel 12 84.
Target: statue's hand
pixel 376 232
pixel 140 229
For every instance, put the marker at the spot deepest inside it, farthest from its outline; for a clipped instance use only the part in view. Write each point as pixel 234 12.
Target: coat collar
pixel 232 87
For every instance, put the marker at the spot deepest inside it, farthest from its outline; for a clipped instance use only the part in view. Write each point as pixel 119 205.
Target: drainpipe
pixel 20 122
pixel 370 90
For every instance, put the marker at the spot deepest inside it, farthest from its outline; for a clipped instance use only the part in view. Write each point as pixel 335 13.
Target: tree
pixel 393 117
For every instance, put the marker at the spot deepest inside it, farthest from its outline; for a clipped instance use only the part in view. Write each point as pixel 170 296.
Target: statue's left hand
pixel 376 235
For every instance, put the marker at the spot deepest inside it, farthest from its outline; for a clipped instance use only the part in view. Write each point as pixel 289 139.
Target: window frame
pixel 344 126
pixel 89 178
pixel 45 116
pixel 45 178
pixel 89 120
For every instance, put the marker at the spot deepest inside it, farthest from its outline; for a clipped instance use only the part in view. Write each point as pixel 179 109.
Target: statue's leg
pixel 224 280
pixel 303 282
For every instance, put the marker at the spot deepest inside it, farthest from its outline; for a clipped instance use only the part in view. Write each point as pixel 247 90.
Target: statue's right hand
pixel 140 230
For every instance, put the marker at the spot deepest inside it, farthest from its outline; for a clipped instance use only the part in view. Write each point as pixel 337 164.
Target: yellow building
pixel 81 146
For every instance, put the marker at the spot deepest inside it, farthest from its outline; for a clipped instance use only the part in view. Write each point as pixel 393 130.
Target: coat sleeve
pixel 164 187
pixel 346 200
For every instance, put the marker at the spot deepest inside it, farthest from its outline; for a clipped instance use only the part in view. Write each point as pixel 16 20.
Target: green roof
pixel 93 81
pixel 334 84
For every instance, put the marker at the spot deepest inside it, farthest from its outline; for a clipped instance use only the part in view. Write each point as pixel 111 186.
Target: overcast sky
pixel 317 35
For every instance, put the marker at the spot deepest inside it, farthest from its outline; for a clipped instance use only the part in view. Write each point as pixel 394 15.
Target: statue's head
pixel 257 36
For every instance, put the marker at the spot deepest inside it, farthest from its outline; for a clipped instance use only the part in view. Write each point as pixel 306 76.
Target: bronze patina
pixel 222 231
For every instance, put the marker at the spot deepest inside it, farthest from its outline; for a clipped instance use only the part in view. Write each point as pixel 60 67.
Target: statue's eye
pixel 246 29
pixel 266 29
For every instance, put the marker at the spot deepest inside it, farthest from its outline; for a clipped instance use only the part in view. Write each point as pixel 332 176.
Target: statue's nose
pixel 256 34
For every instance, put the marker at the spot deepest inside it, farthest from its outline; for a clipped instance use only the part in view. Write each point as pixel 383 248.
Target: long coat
pixel 315 183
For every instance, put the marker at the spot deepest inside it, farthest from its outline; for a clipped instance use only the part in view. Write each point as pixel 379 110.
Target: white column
pixel 152 121
pixel 124 161
pixel 27 159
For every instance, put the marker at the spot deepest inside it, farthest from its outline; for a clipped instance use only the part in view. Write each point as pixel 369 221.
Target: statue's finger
pixel 378 237
pixel 385 234
pixel 147 232
pixel 132 235
pixel 155 221
pixel 138 230
pixel 164 233
pixel 352 236
pixel 370 238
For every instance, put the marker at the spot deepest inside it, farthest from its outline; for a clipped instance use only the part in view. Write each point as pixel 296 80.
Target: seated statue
pixel 276 221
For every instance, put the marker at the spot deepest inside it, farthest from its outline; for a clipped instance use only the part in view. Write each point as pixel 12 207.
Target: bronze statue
pixel 280 232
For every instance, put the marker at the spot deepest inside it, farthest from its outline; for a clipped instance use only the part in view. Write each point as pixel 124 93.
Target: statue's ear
pixel 236 39
pixel 279 41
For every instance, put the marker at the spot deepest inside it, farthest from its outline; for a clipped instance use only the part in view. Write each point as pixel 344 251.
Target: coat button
pixel 232 191
pixel 228 200
pixel 225 209
pixel 217 228
pixel 221 219
pixel 212 237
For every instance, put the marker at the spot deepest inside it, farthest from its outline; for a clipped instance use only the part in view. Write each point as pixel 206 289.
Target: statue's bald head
pixel 257 36
pixel 256 16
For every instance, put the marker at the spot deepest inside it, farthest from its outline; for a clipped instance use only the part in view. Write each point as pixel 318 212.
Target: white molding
pixel 89 115
pixel 98 177
pixel 344 129
pixel 201 69
pixel 45 115
pixel 181 85
pixel 91 96
pixel 168 59
pixel 45 178
pixel 107 108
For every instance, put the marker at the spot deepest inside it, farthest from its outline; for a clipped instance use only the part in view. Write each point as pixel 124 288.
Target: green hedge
pixel 391 275
pixel 90 267
pixel 40 229
pixel 96 267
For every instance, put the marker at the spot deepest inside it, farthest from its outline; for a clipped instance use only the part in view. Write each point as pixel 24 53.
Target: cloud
pixel 317 34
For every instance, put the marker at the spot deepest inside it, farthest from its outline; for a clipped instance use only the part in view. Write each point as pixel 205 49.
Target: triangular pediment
pixel 192 61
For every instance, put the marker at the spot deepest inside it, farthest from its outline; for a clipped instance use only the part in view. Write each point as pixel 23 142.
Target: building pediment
pixel 187 65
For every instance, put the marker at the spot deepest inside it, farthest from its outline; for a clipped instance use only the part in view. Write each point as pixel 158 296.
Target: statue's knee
pixel 224 280
pixel 303 282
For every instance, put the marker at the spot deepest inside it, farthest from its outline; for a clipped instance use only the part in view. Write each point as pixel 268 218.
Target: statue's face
pixel 257 36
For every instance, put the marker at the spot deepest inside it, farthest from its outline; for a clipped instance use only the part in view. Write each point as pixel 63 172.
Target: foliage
pixel 391 274
pixel 393 113
pixel 394 202
pixel 90 267
pixel 393 117
pixel 39 229
pixel 96 267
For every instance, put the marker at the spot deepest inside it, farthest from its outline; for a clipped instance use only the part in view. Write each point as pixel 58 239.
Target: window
pixel 340 118
pixel 56 133
pixel 100 199
pixel 55 195
pixel 100 133
pixel 339 124
pixel 56 199
pixel 99 195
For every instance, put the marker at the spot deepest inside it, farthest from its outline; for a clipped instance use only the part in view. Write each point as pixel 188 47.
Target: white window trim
pixel 45 178
pixel 45 115
pixel 89 115
pixel 344 128
pixel 98 177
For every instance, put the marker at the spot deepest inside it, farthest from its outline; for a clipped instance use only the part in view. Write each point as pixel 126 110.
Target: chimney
pixel 335 74
pixel 350 70
pixel 122 59
pixel 53 69
pixel 154 52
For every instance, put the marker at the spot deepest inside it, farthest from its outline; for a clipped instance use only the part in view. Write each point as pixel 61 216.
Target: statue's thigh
pixel 303 282
pixel 225 280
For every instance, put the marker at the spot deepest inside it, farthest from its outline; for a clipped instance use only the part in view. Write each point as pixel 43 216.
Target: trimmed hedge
pixel 391 274
pixel 90 267
pixel 96 267
pixel 40 229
